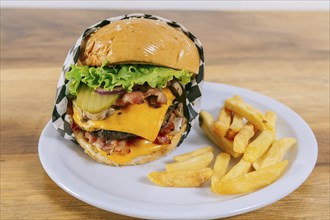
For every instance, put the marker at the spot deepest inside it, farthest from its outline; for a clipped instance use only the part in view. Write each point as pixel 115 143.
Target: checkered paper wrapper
pixel 193 89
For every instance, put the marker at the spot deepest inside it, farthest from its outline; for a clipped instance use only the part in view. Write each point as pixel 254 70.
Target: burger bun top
pixel 140 41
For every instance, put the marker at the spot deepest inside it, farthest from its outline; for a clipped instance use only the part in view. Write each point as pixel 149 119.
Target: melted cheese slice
pixel 139 147
pixel 141 120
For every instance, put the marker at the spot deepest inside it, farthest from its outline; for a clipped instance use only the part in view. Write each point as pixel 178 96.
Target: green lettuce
pixel 125 76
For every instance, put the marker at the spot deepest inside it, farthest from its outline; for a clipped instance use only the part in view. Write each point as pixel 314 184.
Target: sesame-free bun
pixel 140 40
pixel 94 153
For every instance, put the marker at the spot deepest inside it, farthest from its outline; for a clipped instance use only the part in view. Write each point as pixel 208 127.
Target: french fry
pixel 271 118
pixel 241 168
pixel 221 126
pixel 259 146
pixel 196 162
pixel 235 126
pixel 253 115
pixel 251 181
pixel 219 168
pixel 242 138
pixel 206 122
pixel 275 153
pixel 181 178
pixel 194 153
pixel 237 123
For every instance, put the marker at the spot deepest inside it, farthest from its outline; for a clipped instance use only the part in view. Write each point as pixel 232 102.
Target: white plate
pixel 127 191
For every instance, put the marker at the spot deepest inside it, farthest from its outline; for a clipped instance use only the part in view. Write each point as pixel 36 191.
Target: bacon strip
pixel 161 98
pixel 136 97
pixel 154 96
pixel 119 146
pixel 163 139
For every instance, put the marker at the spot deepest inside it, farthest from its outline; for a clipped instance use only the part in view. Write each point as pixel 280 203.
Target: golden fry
pixel 251 181
pixel 242 138
pixel 206 122
pixel 253 115
pixel 221 126
pixel 241 168
pixel 237 123
pixel 220 168
pixel 259 146
pixel 181 178
pixel 275 153
pixel 235 126
pixel 271 118
pixel 196 162
pixel 194 153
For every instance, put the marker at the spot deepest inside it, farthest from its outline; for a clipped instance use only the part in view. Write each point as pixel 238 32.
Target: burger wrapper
pixel 61 120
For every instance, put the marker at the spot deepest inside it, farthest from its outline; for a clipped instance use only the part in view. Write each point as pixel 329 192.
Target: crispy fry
pixel 241 168
pixel 275 153
pixel 271 118
pixel 253 115
pixel 220 168
pixel 259 146
pixel 194 153
pixel 237 123
pixel 251 181
pixel 221 126
pixel 196 162
pixel 206 122
pixel 181 178
pixel 242 138
pixel 235 126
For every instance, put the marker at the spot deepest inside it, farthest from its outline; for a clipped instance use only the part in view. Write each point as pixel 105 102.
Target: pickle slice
pixel 89 100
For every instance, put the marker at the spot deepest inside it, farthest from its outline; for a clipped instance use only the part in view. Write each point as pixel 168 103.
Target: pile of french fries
pixel 244 132
pixel 241 131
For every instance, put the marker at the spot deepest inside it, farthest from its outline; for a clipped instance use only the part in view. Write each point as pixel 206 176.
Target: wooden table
pixel 284 55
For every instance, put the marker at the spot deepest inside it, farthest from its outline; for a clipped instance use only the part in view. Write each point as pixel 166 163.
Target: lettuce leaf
pixel 125 76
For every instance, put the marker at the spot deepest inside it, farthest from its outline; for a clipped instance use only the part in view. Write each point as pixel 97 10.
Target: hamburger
pixel 127 97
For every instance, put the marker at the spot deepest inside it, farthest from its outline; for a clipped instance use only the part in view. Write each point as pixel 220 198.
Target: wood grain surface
pixel 284 55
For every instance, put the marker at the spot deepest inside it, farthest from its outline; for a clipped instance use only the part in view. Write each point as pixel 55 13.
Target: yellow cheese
pixel 139 119
pixel 139 147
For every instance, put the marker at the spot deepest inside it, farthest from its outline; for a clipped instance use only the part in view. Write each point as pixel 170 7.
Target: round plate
pixel 127 190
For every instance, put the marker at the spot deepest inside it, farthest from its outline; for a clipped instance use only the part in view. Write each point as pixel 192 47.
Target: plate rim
pixel 158 215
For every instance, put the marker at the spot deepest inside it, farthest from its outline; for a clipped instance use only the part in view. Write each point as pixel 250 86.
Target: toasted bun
pixel 92 151
pixel 139 40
